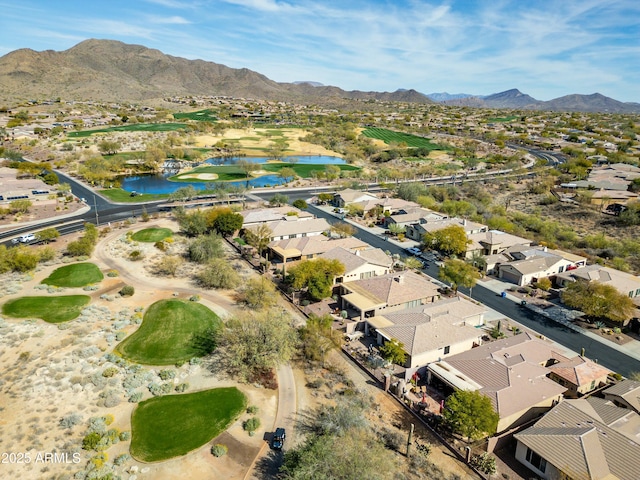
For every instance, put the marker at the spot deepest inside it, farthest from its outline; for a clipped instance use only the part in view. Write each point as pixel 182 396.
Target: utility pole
pixel 409 439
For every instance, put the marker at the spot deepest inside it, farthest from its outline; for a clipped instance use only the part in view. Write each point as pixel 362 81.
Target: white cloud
pixel 174 20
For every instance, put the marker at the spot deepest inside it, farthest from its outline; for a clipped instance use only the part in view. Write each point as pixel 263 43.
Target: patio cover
pixel 361 302
pixel 379 322
pixel 454 378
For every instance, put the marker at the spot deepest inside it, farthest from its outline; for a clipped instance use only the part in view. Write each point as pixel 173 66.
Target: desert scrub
pixel 127 291
pixel 110 372
pixel 112 273
pixel 251 425
pixel 181 388
pixel 167 374
pixel 219 450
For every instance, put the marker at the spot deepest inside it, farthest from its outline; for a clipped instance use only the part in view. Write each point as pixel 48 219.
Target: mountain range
pixel 109 70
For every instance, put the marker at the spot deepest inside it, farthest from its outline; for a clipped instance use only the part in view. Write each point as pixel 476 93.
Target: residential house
pixel 604 198
pixel 257 216
pixel 625 394
pixel 360 264
pixel 625 283
pixel 306 248
pixel 580 375
pixel 429 225
pixel 405 218
pixel 293 227
pixel 347 196
pixel 583 439
pixel 431 332
pixel 512 372
pixel 388 206
pixel 492 242
pixel 387 293
pixel 533 263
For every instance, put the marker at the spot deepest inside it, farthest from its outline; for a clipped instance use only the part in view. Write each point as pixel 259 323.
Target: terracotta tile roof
pixel 395 288
pixel 579 370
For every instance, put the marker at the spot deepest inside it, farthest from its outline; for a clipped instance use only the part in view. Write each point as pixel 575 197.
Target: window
pixel 446 349
pixel 536 460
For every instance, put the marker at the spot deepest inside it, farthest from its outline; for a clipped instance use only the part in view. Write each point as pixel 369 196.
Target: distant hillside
pixel 445 97
pixel 114 71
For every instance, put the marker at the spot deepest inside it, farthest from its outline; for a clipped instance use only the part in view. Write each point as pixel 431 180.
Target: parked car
pixel 277 441
pixel 350 337
pixel 414 251
pixel 28 238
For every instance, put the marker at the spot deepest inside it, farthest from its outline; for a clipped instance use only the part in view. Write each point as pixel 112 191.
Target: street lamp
pixel 95 207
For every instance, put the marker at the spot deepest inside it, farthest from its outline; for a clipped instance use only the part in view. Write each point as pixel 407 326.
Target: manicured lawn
pixel 134 127
pixel 122 196
pixel 173 425
pixel 206 115
pixel 171 331
pixel 389 136
pixel 50 309
pixel 152 235
pixel 508 118
pixel 75 275
pixel 303 170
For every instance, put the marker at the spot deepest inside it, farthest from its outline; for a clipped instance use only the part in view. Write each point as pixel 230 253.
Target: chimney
pixel 399 279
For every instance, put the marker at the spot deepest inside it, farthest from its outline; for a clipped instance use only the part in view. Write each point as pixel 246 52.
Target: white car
pixel 28 238
pixel 414 251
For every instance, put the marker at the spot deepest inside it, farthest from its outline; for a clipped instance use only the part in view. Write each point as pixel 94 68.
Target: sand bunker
pixel 200 176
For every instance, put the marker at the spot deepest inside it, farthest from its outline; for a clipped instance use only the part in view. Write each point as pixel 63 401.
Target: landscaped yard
pixel 50 309
pixel 152 235
pixel 389 136
pixel 172 331
pixel 173 425
pixel 134 127
pixel 75 275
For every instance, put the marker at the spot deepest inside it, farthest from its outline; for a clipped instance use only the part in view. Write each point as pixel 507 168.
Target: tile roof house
pixel 583 439
pixel 579 374
pixel 305 248
pixel 625 394
pixel 347 196
pixel 512 372
pixel 432 224
pixel 625 283
pixel 431 332
pixel 491 242
pixel 292 227
pixel 532 263
pixel 263 215
pixel 360 264
pixel 387 293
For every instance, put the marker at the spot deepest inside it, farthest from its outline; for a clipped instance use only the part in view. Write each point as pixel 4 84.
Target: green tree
pixel 256 342
pixel 470 414
pixel 278 200
pixel 412 263
pixel 108 147
pixel 183 193
pixel 316 275
pixel 247 166
pixel 47 235
pixel 332 172
pixel 396 229
pixel 20 206
pixel 459 274
pixel 258 237
pixel 451 240
pixel 218 273
pixel 205 248
pixel 258 293
pixel 598 300
pixel 192 223
pixel 287 174
pixel 318 338
pixel 301 204
pixel 393 351
pixel 227 223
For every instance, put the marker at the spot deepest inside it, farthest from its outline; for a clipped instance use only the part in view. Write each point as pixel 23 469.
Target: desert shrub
pixel 392 439
pixel 162 389
pixel 91 440
pixel 70 421
pixel 98 425
pixel 121 459
pixel 110 372
pixel 110 398
pixel 135 398
pixel 120 335
pixel 161 246
pixel 265 377
pixel 544 284
pixel 181 387
pixel 167 374
pixel 485 463
pixel 112 273
pixel 194 298
pixel 168 266
pixel 251 425
pixel 99 460
pixel 252 409
pixel 124 436
pixel 136 255
pixel 315 383
pixel 195 361
pixel 218 450
pixel 127 291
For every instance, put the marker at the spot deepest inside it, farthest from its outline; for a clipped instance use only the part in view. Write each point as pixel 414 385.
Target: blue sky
pixel 546 48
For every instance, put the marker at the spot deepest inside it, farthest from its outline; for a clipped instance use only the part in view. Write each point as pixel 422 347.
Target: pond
pixel 159 183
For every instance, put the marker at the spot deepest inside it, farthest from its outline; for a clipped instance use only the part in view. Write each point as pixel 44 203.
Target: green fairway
pixel 134 127
pixel 122 196
pixel 389 137
pixel 303 170
pixel 152 235
pixel 50 309
pixel 508 118
pixel 171 331
pixel 173 425
pixel 206 115
pixel 75 275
